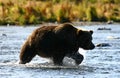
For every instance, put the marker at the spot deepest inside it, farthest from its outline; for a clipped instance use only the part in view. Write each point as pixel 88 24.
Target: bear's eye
pixel 87 41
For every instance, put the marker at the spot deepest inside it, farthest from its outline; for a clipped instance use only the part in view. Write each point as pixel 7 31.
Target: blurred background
pixel 25 12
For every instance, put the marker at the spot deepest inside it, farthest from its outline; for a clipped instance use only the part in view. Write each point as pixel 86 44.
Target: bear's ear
pixel 91 31
pixel 79 32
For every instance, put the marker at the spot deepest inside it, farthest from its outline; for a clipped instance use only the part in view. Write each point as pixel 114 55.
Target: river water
pixel 102 62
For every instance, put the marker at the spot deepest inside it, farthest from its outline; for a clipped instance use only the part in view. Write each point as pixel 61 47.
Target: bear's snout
pixel 92 47
pixel 89 46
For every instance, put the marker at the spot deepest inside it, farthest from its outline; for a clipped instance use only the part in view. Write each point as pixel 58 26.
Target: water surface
pixel 102 62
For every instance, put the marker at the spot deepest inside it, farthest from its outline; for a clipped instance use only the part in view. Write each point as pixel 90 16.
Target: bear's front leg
pixel 77 57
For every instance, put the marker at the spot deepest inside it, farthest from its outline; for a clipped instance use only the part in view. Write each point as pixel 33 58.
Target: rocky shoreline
pixel 74 23
pixel 94 23
pixel 84 23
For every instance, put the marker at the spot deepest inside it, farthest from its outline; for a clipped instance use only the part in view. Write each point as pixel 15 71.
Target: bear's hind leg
pixel 26 55
pixel 58 60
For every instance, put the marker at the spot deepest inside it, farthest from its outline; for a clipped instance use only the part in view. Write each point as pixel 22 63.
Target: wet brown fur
pixel 56 42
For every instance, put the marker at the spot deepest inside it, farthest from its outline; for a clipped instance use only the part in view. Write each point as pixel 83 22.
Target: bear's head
pixel 84 39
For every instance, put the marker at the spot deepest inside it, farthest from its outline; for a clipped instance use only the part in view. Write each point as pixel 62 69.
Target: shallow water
pixel 102 62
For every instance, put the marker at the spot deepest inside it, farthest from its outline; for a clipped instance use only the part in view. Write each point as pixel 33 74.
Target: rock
pixel 103 45
pixel 110 22
pixel 113 37
pixel 104 28
pixel 4 34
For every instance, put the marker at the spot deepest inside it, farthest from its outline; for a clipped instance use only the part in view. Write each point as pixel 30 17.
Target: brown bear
pixel 56 42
